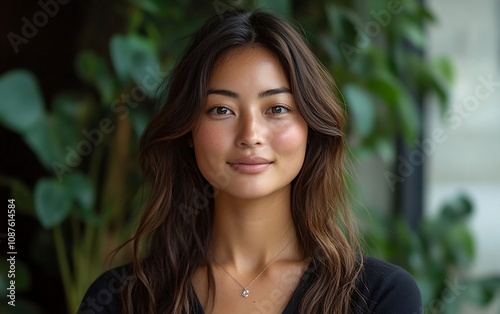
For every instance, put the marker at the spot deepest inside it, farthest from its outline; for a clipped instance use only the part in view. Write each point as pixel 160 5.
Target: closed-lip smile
pixel 249 164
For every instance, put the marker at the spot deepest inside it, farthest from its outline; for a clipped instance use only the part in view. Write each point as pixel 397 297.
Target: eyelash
pixel 211 110
pixel 280 106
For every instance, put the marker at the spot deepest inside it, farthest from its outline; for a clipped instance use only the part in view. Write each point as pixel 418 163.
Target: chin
pixel 254 191
pixel 248 194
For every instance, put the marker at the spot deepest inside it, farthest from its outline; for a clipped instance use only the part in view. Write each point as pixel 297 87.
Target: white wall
pixel 468 160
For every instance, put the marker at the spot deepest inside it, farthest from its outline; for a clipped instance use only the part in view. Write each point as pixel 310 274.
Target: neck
pixel 248 234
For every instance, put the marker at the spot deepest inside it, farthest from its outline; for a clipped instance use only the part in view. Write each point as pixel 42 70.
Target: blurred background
pixel 421 85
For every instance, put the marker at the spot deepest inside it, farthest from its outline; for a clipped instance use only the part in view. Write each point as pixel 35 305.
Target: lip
pixel 250 164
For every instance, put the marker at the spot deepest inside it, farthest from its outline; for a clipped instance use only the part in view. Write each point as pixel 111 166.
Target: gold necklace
pixel 245 291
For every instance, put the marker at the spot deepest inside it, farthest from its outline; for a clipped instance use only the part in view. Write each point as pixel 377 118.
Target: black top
pixel 386 289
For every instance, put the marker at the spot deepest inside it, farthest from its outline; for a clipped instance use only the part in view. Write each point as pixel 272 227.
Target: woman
pixel 246 212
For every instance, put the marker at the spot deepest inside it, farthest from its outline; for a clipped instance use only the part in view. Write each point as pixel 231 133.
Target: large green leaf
pixel 135 57
pixel 386 149
pixel 52 202
pixel 399 100
pixel 437 77
pixel 93 70
pixel 39 139
pixel 444 68
pixel 81 189
pixel 457 209
pixel 64 133
pixel 385 88
pixel 482 291
pixel 21 101
pixel 139 121
pixel 361 107
pixel 425 14
pixel 22 111
pixel 427 288
pixel 414 32
pixel 461 245
pixel 65 128
pixel 120 55
pixel 337 15
pixel 331 48
pixel 76 109
pixel 334 20
pixel 409 117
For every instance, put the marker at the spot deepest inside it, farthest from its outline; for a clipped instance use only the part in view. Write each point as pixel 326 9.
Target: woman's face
pixel 250 141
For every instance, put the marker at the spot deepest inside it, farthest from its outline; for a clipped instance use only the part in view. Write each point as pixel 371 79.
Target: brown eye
pixel 220 110
pixel 278 109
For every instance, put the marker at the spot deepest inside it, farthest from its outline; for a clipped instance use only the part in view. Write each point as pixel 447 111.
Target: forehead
pixel 250 64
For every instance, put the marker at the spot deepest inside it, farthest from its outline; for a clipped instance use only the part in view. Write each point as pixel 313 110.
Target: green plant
pixel 88 142
pixel 438 254
pixel 375 51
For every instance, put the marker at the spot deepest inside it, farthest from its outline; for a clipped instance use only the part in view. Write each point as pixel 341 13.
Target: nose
pixel 251 130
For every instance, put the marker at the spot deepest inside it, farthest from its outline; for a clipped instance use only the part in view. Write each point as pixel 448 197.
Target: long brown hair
pixel 176 222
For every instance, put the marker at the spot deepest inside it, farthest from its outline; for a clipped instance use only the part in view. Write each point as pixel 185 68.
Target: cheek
pixel 209 139
pixel 210 147
pixel 292 140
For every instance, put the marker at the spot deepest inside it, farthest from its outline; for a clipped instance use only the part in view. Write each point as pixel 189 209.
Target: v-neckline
pixel 299 290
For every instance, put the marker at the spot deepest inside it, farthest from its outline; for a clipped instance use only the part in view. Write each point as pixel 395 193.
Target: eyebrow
pixel 267 93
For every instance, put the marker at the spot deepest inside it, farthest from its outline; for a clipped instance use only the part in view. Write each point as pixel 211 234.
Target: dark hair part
pixel 177 219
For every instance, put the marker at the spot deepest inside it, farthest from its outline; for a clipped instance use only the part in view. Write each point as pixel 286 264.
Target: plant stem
pixel 65 270
pixel 76 248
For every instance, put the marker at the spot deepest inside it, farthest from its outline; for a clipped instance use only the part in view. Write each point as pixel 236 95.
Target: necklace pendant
pixel 245 293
